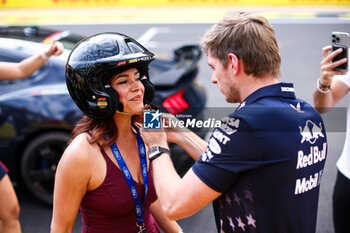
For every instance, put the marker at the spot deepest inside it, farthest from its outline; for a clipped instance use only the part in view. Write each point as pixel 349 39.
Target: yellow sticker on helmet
pixel 101 102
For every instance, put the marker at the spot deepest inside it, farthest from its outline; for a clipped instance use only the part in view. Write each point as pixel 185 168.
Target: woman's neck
pixel 123 123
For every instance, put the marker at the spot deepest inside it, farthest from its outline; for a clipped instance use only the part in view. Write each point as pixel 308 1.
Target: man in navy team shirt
pixel 262 168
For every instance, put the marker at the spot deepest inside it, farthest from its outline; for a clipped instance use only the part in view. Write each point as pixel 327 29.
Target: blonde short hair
pixel 250 37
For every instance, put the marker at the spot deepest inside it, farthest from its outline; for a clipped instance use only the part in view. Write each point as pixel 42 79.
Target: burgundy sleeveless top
pixel 110 207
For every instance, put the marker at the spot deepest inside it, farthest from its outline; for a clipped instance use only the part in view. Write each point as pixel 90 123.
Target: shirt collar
pixel 284 90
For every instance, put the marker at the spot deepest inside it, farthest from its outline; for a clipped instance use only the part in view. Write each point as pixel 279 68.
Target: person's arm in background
pixel 324 100
pixel 25 68
pixel 9 208
pixel 185 138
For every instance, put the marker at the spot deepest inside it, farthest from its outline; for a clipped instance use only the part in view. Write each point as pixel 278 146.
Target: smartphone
pixel 341 40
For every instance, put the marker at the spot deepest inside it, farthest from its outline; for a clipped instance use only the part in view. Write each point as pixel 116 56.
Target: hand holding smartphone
pixel 340 40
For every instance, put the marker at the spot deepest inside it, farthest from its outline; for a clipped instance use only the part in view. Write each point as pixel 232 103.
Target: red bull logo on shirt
pixel 310 132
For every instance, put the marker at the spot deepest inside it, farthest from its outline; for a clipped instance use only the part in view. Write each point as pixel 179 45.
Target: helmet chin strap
pixel 146 107
pixel 131 114
pixel 125 113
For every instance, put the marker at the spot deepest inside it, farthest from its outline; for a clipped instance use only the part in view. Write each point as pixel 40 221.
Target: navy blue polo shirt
pixel 3 170
pixel 267 160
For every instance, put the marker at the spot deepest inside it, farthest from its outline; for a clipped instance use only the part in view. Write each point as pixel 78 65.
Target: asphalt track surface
pixel 300 40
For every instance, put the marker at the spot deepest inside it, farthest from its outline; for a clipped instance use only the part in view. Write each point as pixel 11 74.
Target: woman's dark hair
pixel 103 130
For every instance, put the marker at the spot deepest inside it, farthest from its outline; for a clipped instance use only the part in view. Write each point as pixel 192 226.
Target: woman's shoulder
pixel 79 150
pixel 76 163
pixel 81 143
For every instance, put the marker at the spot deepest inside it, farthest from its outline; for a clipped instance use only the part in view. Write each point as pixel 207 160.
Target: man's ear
pixel 233 62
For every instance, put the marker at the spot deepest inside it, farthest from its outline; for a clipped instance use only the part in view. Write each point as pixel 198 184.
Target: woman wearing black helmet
pixel 105 170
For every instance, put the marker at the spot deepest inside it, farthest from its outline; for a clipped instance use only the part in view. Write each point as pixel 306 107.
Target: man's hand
pixel 154 137
pixel 173 131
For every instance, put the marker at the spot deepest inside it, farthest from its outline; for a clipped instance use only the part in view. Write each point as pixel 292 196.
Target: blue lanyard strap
pixel 138 207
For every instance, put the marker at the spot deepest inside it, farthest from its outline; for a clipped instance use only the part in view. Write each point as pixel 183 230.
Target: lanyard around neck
pixel 138 206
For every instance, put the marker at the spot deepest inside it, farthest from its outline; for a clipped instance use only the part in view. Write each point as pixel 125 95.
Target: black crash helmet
pixel 97 58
